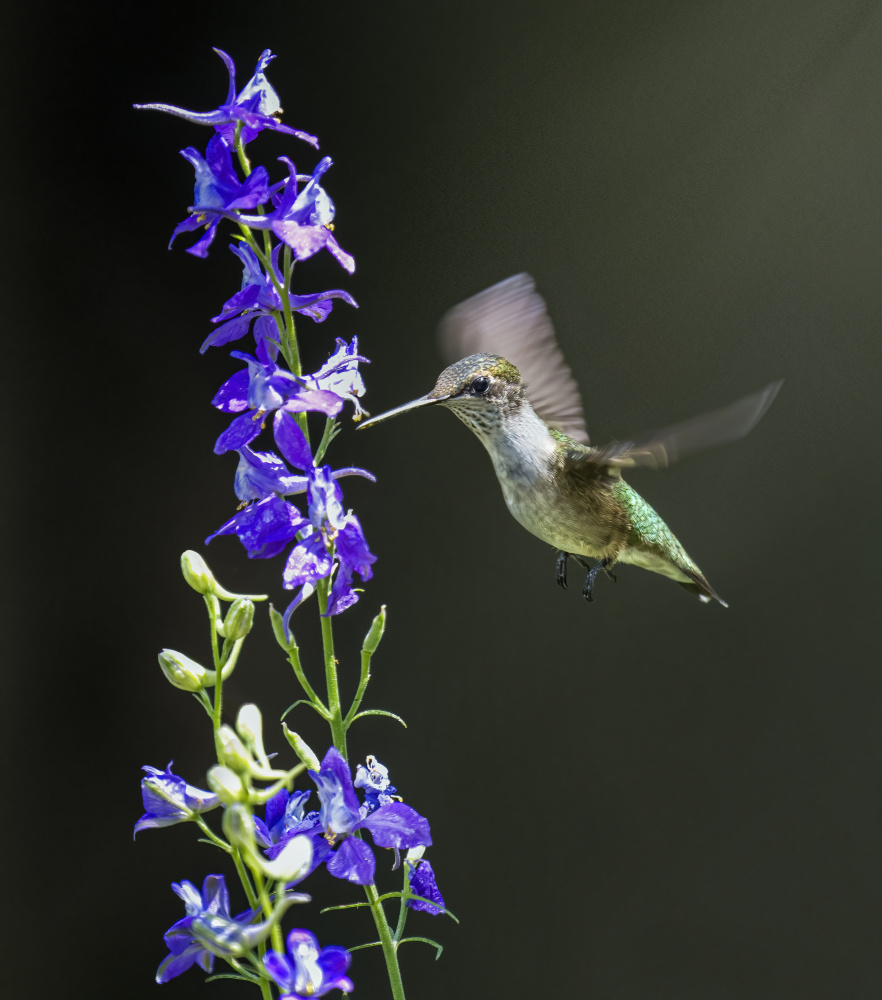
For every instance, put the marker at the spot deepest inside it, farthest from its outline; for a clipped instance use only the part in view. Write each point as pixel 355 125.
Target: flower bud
pixel 233 752
pixel 226 784
pixel 184 673
pixel 292 863
pixel 375 633
pixel 239 619
pixel 238 827
pixel 302 749
pixel 201 579
pixel 249 725
pixel 197 573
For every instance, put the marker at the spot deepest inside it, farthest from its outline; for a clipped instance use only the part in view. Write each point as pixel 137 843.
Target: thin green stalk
pixel 212 836
pixel 338 726
pixel 244 878
pixel 218 686
pixel 386 941
pixel 263 895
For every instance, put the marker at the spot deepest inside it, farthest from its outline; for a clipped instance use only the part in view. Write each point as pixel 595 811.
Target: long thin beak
pixel 406 408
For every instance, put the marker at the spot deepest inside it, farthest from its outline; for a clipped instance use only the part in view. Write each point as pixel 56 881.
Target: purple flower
pixel 168 799
pixel 302 220
pixel 208 929
pixel 392 824
pixel 308 970
pixel 265 528
pixel 422 882
pixel 257 106
pixel 218 193
pixel 284 813
pixel 261 474
pixel 258 299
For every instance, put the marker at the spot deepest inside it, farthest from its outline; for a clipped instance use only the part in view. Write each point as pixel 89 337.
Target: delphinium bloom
pixel 253 306
pixel 168 799
pixel 208 929
pixel 308 970
pixel 256 107
pixel 390 822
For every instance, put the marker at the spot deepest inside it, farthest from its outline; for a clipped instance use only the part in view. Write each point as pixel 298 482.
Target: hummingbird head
pixel 482 390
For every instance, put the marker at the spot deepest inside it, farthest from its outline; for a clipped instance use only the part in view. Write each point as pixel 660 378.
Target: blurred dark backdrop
pixel 638 799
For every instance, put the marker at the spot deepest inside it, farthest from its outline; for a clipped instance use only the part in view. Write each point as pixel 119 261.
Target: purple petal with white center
pixel 292 441
pixel 232 397
pixel 308 562
pixel 339 803
pixel 303 240
pixel 260 474
pixel 215 895
pixel 397 825
pixel 264 528
pixel 422 883
pixel 312 401
pixel 325 499
pixel 241 432
pixel 354 861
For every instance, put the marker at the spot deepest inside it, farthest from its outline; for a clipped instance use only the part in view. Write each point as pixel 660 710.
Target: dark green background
pixel 640 799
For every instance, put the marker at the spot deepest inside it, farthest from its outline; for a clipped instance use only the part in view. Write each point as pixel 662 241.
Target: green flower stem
pixel 369 647
pixel 387 942
pixel 294 660
pixel 244 878
pixel 338 726
pixel 219 682
pixel 212 836
pixel 276 931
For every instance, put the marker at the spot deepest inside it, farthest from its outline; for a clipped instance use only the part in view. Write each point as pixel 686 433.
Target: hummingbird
pixel 513 389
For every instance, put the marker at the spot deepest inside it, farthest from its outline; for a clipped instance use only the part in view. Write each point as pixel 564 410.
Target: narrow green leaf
pixel 428 941
pixel 379 711
pixel 358 947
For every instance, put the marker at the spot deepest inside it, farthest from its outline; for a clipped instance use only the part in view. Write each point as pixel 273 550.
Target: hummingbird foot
pixel 592 574
pixel 562 558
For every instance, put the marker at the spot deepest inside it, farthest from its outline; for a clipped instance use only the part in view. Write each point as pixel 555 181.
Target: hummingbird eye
pixel 480 385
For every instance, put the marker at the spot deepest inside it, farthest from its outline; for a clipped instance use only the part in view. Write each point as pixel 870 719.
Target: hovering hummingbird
pixel 524 406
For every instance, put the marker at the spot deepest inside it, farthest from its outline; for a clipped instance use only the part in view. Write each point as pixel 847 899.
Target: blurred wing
pixel 510 319
pixel 666 446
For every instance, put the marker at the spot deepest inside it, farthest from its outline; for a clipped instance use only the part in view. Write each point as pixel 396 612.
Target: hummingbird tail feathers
pixel 701 588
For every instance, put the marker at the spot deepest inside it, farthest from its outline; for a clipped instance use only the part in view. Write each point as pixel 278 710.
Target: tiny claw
pixel 562 558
